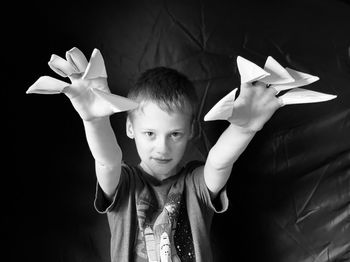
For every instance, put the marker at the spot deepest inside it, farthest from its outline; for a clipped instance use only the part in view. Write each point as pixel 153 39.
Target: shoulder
pixel 194 172
pixel 197 189
pixel 131 176
pixel 130 170
pixel 193 166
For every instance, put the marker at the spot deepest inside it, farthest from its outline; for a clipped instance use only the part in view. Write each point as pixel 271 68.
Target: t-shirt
pixel 152 220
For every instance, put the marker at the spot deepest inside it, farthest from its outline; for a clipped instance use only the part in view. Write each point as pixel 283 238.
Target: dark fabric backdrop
pixel 290 190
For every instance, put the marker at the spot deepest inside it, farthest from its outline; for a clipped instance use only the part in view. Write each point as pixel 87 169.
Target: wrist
pixel 96 121
pixel 248 130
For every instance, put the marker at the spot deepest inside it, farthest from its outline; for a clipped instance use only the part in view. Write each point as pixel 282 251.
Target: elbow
pixel 219 161
pixel 108 167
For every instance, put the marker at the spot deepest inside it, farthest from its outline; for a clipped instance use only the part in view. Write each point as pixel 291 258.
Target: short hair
pixel 166 87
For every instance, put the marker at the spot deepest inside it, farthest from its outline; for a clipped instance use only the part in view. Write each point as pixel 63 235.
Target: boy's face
pixel 161 138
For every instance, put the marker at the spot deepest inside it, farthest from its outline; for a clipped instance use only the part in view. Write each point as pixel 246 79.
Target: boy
pixel 160 210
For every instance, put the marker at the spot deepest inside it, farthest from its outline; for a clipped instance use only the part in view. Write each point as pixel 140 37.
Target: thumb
pixel 245 88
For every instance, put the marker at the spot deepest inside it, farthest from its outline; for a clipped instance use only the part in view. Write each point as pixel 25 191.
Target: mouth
pixel 161 160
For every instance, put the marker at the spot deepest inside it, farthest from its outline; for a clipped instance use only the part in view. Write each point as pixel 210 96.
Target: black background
pixel 48 178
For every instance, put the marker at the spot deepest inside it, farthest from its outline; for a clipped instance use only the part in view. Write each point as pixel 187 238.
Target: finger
pixel 96 67
pixel 259 89
pixel 258 84
pixel 222 109
pixel 246 85
pixel 47 85
pixel 280 102
pixel 245 89
pixel 301 96
pixel 269 97
pixel 61 66
pixel 249 71
pixel 271 106
pixel 117 103
pixel 77 59
pixel 271 91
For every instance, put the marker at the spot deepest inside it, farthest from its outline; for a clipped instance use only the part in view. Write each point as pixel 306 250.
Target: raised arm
pixel 106 152
pixel 252 109
pixel 100 136
pixel 92 99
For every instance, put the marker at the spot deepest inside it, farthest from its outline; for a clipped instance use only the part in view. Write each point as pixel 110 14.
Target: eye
pixel 149 133
pixel 176 135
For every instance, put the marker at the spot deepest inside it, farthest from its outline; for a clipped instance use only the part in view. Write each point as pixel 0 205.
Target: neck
pixel 160 176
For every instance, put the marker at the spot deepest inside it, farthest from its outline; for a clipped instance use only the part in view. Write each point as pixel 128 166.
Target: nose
pixel 162 146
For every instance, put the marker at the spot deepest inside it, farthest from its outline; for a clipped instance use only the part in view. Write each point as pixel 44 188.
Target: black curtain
pixel 290 190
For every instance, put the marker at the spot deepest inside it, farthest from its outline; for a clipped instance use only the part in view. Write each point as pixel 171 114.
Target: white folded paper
pixel 275 76
pixel 76 63
pixel 222 110
pixel 303 96
pixel 47 85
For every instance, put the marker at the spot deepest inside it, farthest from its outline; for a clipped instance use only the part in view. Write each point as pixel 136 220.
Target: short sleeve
pixel 196 180
pixel 101 203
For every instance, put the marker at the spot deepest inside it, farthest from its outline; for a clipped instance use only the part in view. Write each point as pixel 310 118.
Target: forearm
pixel 102 142
pixel 106 152
pixel 230 145
pixel 253 107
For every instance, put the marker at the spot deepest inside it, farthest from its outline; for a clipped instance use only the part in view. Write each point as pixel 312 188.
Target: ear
pixel 193 128
pixel 129 128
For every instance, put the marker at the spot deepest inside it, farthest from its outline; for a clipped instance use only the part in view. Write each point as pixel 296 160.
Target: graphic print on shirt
pixel 155 241
pixel 146 206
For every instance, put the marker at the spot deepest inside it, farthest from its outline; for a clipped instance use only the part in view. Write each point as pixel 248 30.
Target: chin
pixel 165 170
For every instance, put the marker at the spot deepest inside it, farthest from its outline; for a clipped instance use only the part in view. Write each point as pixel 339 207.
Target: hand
pixel 85 79
pixel 85 99
pixel 254 106
pixel 88 91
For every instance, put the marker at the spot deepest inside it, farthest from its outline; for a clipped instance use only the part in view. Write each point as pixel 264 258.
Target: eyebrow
pixel 171 131
pixel 178 129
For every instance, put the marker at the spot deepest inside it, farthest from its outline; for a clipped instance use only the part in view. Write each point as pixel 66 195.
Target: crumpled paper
pixel 76 63
pixel 273 75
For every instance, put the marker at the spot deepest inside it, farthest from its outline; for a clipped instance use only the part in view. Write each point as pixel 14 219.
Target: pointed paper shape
pixel 301 79
pixel 76 63
pixel 278 77
pixel 47 85
pixel 77 59
pixel 302 96
pixel 222 110
pixel 278 74
pixel 96 67
pixel 249 71
pixel 61 66
pixel 118 103
pixel 301 76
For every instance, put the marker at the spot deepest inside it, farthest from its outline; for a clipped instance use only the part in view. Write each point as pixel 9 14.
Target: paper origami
pixel 76 63
pixel 275 76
